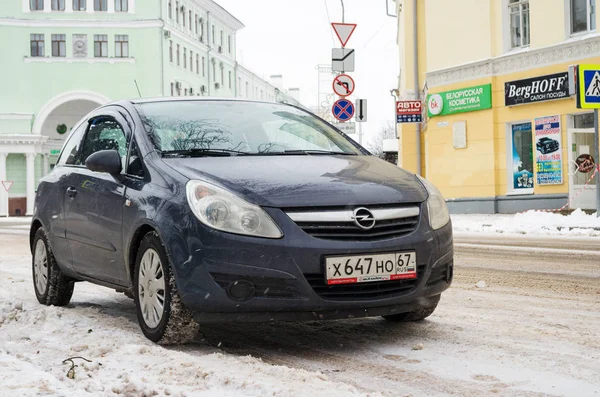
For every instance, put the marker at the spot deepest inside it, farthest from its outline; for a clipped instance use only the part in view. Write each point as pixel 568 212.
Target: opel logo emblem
pixel 363 218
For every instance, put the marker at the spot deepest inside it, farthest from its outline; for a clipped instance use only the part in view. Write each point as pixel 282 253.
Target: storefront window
pixel 522 156
pixel 585 120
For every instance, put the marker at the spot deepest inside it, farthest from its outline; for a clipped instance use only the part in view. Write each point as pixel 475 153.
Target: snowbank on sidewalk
pixel 578 223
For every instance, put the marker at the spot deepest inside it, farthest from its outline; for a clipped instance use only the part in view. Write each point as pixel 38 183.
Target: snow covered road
pixel 529 329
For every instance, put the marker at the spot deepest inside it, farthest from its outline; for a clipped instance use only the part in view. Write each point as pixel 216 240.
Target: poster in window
pixel 548 147
pixel 522 156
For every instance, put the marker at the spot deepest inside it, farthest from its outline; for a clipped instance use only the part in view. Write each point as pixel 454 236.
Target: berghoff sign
pixel 536 89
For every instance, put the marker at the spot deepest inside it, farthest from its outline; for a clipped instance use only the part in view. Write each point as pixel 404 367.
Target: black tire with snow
pixel 416 315
pixel 58 288
pixel 176 325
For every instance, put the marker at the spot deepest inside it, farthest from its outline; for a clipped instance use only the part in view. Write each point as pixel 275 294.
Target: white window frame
pixel 508 37
pixel 569 18
pixel 510 188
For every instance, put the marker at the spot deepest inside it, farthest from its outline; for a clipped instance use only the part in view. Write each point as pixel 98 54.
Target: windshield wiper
pixel 199 152
pixel 309 152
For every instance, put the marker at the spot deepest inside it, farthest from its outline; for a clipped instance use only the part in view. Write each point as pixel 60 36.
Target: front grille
pixel 348 231
pixel 265 287
pixel 375 289
pixel 440 274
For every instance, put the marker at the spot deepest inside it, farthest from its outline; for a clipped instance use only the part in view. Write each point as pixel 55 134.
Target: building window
pixel 100 45
pixel 196 19
pixel 79 5
pixel 37 45
pixel 519 23
pixel 59 45
pixel 172 89
pixel 191 60
pixel 213 34
pixel 100 5
pixel 197 64
pixel 221 41
pixel 247 90
pixel 183 15
pixel 170 11
pixel 177 54
pixel 583 15
pixel 177 11
pixel 222 77
pixel 214 69
pixel 203 67
pixel 191 25
pixel 58 5
pixel 184 58
pixel 521 168
pixel 185 92
pixel 122 46
pixel 229 44
pixel 239 86
pixel 36 5
pixel 229 79
pixel 201 30
pixel 171 51
pixel 121 5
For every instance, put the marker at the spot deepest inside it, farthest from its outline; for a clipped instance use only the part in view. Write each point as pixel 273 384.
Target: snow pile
pixel 578 223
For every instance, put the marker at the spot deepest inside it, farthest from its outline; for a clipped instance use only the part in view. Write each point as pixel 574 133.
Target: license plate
pixel 368 268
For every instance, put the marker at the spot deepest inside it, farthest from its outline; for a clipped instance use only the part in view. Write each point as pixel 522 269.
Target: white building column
pixel 47 5
pixel 30 157
pixel 110 6
pixel 69 6
pixel 3 192
pixel 46 165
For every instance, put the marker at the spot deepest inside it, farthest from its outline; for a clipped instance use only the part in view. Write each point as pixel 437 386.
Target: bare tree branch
pixel 375 146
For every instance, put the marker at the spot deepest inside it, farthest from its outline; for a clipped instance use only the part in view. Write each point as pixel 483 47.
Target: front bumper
pixel 286 273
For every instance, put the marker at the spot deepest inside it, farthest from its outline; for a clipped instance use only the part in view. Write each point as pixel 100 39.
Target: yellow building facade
pixel 501 131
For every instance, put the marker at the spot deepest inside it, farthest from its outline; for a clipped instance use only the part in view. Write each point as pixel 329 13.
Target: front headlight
pixel 223 210
pixel 436 205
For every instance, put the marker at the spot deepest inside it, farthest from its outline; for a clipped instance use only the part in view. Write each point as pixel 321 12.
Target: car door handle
pixel 71 191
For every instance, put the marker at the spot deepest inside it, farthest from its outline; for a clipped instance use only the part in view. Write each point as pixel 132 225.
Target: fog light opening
pixel 240 290
pixel 449 274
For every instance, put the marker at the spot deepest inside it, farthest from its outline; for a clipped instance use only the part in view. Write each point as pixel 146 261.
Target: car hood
pixel 306 181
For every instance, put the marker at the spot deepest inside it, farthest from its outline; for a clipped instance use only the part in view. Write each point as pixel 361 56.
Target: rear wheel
pixel 416 315
pixel 161 314
pixel 51 286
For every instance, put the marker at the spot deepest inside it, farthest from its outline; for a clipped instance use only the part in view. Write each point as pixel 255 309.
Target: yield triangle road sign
pixel 593 89
pixel 343 31
pixel 7 185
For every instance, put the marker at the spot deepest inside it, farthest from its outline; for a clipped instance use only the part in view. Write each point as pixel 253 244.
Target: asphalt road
pixel 521 319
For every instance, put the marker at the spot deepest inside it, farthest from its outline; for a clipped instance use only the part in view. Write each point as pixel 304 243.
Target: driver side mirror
pixel 108 161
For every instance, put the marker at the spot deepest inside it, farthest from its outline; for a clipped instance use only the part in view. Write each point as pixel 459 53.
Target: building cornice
pixel 221 14
pixel 82 23
pixel 22 139
pixel 16 116
pixel 569 51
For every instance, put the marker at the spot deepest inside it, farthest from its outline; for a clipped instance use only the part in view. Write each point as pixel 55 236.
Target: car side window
pixel 70 152
pixel 104 134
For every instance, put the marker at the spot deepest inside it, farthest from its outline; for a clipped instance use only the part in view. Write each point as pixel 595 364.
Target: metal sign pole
pixel 596 155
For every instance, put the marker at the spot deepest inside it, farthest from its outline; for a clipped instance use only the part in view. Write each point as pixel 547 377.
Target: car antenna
pixel 138 88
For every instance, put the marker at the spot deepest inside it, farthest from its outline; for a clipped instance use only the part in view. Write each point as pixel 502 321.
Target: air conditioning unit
pixel 217 86
pixel 202 88
pixel 220 49
pixel 167 34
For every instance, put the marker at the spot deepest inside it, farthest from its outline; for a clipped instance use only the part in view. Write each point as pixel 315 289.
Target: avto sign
pixel 536 89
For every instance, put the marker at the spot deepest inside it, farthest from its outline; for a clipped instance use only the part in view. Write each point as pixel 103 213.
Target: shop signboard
pixel 522 157
pixel 459 101
pixel 536 89
pixel 548 147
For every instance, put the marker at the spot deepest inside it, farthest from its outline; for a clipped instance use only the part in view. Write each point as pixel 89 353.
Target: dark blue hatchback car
pixel 213 210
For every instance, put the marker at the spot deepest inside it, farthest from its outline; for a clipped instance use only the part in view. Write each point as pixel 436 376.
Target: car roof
pixel 196 99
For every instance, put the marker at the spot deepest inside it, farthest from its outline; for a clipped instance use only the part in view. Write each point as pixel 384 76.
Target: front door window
pixel 522 157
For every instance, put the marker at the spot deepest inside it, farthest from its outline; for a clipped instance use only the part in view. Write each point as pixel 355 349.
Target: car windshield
pixel 217 128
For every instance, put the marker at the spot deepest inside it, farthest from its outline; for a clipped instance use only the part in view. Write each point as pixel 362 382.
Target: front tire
pixel 417 315
pixel 51 286
pixel 162 316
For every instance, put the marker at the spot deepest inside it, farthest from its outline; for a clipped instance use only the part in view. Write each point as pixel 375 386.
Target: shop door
pixel 581 169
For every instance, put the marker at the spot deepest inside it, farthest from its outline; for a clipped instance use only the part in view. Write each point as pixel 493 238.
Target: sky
pixel 292 37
